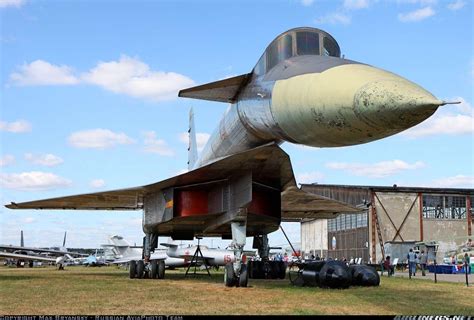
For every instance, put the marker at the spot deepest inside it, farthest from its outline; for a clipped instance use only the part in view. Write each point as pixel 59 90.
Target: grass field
pixel 107 290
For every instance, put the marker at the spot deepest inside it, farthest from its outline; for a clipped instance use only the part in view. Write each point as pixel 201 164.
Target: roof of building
pixel 393 188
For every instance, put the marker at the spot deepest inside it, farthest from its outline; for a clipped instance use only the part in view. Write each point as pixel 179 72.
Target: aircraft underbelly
pixel 209 208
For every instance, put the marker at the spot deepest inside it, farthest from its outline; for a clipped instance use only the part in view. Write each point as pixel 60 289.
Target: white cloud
pixel 334 18
pixel 456 5
pixel 11 3
pixel 98 139
pixel 137 222
pixel 32 181
pixel 201 139
pixel 29 220
pixel 154 145
pixel 133 77
pixel 48 160
pixel 420 2
pixel 458 181
pixel 40 72
pixel 307 3
pixel 7 160
pixel 309 177
pixel 416 15
pixel 450 119
pixel 448 124
pixel 356 4
pixel 97 183
pixel 377 170
pixel 19 126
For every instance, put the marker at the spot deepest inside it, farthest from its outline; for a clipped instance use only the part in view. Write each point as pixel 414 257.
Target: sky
pixel 89 98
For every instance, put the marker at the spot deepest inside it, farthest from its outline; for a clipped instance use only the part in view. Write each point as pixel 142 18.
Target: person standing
pixel 423 262
pixel 411 256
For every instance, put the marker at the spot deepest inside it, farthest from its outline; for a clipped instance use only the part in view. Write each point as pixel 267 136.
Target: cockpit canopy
pixel 297 42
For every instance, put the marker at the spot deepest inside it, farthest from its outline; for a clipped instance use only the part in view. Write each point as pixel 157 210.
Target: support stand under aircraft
pixel 197 256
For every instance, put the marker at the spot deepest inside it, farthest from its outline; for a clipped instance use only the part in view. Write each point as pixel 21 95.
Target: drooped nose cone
pixel 348 104
pixel 394 104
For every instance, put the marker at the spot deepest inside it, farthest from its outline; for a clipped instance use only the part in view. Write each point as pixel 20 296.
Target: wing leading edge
pixel 296 204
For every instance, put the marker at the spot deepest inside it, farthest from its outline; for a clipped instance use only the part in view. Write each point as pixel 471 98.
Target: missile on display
pixel 334 274
pixel 242 184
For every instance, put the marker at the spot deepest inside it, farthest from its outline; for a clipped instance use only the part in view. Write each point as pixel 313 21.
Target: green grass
pixel 107 290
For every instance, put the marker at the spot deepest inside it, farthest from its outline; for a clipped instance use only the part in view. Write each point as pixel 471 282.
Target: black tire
pixel 133 269
pixel 161 269
pixel 30 264
pixel 229 275
pixel 140 269
pixel 154 269
pixel 282 273
pixel 244 276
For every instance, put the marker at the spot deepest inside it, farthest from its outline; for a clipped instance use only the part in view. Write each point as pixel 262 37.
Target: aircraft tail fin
pixel 22 241
pixel 64 240
pixel 192 147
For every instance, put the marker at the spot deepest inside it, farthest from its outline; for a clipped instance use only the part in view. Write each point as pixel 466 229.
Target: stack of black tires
pixel 333 274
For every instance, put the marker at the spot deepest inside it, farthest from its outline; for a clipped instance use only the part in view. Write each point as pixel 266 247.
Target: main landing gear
pixel 231 279
pixel 154 269
pixel 236 274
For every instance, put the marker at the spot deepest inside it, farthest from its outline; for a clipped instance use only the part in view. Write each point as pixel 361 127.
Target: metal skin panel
pixel 191 203
pixel 158 207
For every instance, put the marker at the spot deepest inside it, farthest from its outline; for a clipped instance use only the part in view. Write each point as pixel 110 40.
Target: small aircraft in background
pixel 119 251
pixel 32 254
pixel 212 257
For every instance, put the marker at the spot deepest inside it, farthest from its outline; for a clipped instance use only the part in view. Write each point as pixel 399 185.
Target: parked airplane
pixel 21 253
pixel 124 253
pixel 242 184
pixel 213 257
pixel 59 261
pixel 94 260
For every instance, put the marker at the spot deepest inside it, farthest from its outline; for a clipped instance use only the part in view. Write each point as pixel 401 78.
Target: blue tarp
pixel 443 268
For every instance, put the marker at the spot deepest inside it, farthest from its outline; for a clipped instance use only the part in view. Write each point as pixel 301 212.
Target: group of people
pixel 413 260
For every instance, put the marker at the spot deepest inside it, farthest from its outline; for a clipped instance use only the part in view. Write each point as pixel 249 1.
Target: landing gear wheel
pixel 161 269
pixel 229 275
pixel 244 276
pixel 140 269
pixel 295 273
pixel 154 269
pixel 133 269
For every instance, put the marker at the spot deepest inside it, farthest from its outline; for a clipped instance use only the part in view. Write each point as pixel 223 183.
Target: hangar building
pixel 391 217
